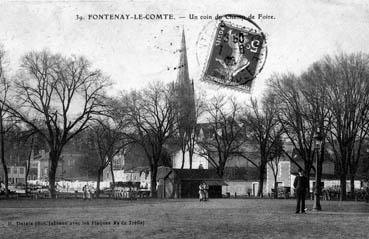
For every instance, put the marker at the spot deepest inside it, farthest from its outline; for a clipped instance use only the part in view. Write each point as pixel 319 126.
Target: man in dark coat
pixel 301 185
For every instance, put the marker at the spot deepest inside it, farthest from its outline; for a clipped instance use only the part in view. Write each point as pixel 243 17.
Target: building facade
pixel 287 173
pixel 68 165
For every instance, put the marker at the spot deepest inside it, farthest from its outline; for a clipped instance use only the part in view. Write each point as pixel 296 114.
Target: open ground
pixel 182 218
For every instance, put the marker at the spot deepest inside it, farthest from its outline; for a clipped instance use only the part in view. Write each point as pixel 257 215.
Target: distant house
pixel 132 166
pixel 197 161
pixel 67 165
pixel 16 174
pixel 184 183
pixel 283 173
pixel 241 181
pixel 287 172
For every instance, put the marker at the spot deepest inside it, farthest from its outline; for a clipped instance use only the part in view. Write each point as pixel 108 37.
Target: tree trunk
pixel 98 182
pixel 190 156
pixel 352 185
pixel 343 187
pixel 318 177
pixel 112 175
pixel 28 165
pixel 2 153
pixel 307 170
pixel 275 188
pixel 53 160
pixel 154 170
pixel 319 180
pixel 261 179
pixel 220 170
pixel 183 159
pixel 320 168
pixel 6 179
pixel 26 177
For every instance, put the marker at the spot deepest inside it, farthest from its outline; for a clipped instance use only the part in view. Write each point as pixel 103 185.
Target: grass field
pixel 217 218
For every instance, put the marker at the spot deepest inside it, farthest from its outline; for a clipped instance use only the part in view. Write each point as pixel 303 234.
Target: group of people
pixel 203 191
pixel 87 192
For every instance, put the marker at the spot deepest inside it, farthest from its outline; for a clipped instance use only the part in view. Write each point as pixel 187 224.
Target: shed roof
pixel 196 174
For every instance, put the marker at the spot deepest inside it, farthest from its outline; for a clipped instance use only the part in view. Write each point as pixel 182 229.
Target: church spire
pixel 184 86
pixel 183 77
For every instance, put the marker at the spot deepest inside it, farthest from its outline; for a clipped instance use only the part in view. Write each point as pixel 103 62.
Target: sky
pixel 134 53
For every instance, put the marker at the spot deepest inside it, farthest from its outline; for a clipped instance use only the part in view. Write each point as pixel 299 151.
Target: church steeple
pixel 184 86
pixel 183 77
pixel 185 97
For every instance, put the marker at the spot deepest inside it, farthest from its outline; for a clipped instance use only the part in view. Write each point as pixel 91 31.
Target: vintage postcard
pixel 184 119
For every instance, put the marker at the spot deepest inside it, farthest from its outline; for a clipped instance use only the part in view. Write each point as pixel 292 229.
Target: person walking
pixel 301 185
pixel 84 192
pixel 201 192
pixel 89 192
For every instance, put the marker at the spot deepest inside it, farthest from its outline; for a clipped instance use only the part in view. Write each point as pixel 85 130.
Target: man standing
pixel 300 184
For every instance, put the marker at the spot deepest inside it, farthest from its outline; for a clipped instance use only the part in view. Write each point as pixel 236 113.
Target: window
pixel 21 170
pixel 15 171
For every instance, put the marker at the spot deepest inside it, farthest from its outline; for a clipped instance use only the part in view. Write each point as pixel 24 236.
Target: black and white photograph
pixel 184 119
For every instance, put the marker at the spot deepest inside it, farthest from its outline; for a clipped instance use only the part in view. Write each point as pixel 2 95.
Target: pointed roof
pixel 184 88
pixel 183 77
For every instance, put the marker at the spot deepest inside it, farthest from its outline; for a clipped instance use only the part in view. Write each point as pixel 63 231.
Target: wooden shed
pixel 184 183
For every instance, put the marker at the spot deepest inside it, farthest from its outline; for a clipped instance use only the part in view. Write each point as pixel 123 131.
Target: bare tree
pixel 313 89
pixel 346 79
pixel 261 124
pixel 192 137
pixel 31 143
pixel 152 114
pixel 331 97
pixel 7 122
pixel 296 118
pixel 64 94
pixel 108 141
pixel 224 136
pixel 186 119
pixel 275 158
pixel 187 125
pixel 24 142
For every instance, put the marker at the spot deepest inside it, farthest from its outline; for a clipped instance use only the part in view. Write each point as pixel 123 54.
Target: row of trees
pixel 328 101
pixel 56 98
pixel 331 97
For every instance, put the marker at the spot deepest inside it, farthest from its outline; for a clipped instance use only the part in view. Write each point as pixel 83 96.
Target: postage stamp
pixel 237 55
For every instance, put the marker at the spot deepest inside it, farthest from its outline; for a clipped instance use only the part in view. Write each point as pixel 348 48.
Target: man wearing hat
pixel 300 184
